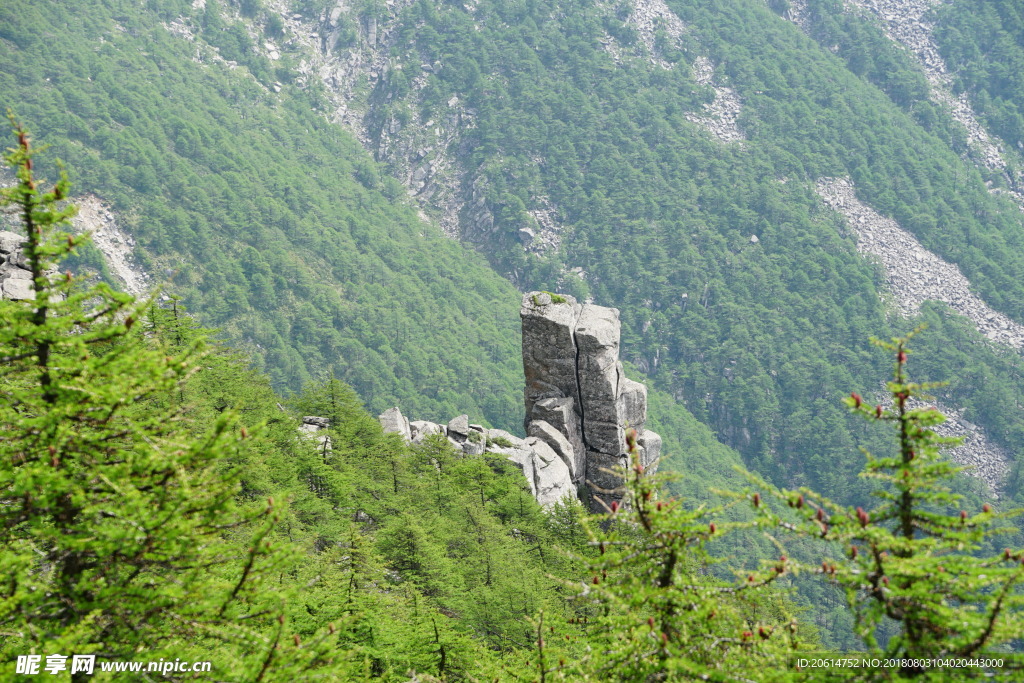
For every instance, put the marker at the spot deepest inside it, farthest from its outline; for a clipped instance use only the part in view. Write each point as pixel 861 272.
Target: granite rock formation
pixel 579 404
pixel 15 277
pixel 315 428
pixel 541 457
pixel 575 386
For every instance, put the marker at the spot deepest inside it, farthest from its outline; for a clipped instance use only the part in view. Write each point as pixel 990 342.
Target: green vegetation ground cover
pixel 158 498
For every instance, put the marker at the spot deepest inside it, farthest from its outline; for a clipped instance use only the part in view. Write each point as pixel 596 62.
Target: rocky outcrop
pixel 315 429
pixel 544 457
pixel 579 404
pixel 575 385
pixel 15 278
pixel 393 421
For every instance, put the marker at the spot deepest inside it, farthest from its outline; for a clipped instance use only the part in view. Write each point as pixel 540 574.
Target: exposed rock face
pixel 15 281
pixel 393 421
pixel 578 407
pixel 575 385
pixel 545 458
pixel 311 427
pixel 560 415
pixel 15 276
pixel 551 477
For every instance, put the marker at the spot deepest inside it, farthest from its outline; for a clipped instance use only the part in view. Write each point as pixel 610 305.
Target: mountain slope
pixel 269 222
pixel 663 158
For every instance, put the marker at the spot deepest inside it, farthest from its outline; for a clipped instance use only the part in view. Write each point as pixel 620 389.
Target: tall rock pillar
pixel 577 396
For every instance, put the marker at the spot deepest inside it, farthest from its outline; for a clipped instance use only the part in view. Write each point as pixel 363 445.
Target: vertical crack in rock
pixel 579 386
pixel 590 403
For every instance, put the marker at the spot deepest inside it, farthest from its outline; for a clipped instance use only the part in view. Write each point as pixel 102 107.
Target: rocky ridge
pixel 578 406
pixel 545 469
pixel 913 273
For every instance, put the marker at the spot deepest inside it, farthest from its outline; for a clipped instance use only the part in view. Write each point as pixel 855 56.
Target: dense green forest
pixel 160 504
pixel 982 44
pixel 273 225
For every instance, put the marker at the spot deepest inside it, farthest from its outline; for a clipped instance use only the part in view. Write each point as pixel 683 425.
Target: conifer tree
pixel 916 558
pixel 654 608
pixel 119 534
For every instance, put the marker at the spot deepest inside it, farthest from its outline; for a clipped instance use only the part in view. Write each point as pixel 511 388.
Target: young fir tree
pixel 652 608
pixel 119 532
pixel 915 557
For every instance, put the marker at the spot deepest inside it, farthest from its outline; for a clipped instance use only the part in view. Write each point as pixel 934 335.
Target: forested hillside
pixel 588 156
pixel 270 223
pixel 659 157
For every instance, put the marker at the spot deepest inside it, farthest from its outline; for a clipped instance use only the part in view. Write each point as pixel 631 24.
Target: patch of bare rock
pixel 721 115
pixel 913 273
pixel 579 404
pixel 117 246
